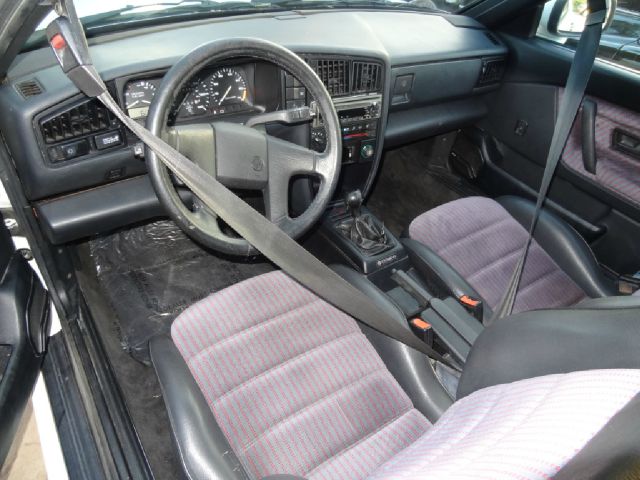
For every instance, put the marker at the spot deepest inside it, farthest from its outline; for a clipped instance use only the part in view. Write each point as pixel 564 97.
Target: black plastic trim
pixel 418 123
pixel 99 210
pixel 76 439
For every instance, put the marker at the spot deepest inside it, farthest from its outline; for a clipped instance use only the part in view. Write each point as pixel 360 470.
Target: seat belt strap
pixel 577 80
pixel 67 39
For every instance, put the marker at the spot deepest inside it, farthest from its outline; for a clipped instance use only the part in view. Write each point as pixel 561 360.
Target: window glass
pixel 563 20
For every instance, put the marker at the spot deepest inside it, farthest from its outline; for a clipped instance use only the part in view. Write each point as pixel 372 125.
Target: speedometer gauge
pixel 217 92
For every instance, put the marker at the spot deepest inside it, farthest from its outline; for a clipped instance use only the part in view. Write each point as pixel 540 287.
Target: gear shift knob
pixel 353 201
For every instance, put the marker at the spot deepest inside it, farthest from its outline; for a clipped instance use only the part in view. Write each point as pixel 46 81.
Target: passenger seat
pixel 471 246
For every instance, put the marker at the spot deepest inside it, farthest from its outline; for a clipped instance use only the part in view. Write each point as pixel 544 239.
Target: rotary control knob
pixel 367 151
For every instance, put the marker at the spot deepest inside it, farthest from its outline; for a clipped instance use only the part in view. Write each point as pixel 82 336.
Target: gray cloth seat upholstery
pixel 265 379
pixel 471 246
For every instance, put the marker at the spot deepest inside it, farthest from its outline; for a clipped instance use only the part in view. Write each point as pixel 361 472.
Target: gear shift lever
pixel 353 201
pixel 362 229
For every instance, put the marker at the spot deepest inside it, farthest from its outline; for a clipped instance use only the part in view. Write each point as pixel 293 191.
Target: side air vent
pixel 367 77
pixel 491 71
pixel 29 88
pixel 84 119
pixel 334 74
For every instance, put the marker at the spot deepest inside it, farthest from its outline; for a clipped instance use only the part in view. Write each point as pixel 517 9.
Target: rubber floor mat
pixel 151 273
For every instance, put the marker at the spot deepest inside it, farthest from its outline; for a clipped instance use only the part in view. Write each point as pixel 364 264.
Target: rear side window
pixel 563 20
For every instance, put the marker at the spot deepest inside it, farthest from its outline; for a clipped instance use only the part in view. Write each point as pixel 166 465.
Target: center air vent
pixel 84 119
pixel 334 74
pixel 367 77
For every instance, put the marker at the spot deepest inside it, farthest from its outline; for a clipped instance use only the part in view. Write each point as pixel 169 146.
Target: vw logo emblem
pixel 257 163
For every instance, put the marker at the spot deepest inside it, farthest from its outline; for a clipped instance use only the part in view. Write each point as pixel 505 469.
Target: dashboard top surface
pixel 398 38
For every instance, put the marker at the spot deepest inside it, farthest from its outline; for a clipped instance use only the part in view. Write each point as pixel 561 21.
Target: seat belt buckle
pixel 473 306
pixel 422 329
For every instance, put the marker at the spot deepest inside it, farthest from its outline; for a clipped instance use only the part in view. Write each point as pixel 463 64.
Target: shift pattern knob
pixel 353 201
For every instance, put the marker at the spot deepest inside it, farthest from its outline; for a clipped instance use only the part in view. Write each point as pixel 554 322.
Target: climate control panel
pixel 359 123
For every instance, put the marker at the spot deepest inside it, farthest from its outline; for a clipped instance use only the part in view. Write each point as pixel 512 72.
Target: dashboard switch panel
pixel 108 140
pixel 69 150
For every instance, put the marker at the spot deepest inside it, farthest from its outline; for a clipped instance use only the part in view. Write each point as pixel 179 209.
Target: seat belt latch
pixel 422 329
pixel 473 305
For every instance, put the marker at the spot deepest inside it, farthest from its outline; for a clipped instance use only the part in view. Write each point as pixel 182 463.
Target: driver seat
pixel 266 380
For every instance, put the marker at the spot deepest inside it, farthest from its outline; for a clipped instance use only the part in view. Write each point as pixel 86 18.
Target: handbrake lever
pixel 413 288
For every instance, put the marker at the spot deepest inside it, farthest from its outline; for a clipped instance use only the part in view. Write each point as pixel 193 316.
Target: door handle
pixel 589 112
pixel 626 142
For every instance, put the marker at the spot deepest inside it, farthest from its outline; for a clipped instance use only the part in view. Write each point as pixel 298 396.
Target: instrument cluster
pixel 212 93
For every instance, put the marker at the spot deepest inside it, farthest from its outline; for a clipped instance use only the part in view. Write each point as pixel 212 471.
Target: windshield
pixel 100 15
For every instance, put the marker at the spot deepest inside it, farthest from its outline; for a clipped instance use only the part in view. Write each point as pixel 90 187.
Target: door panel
pixel 514 138
pixel 24 325
pixel 616 136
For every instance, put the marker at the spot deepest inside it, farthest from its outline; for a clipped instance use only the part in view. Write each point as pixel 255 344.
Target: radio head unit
pixel 352 109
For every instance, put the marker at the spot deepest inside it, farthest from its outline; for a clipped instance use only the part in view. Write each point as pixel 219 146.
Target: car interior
pixel 403 144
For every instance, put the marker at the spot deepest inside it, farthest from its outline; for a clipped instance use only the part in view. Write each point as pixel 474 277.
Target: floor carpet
pixel 414 179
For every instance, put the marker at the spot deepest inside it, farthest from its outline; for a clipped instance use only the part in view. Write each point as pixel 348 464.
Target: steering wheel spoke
pixel 289 159
pixel 276 201
pixel 196 142
pixel 286 160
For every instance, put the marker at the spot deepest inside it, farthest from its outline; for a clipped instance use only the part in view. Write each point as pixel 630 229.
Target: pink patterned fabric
pixel 482 242
pixel 617 172
pixel 297 389
pixel 293 383
pixel 524 430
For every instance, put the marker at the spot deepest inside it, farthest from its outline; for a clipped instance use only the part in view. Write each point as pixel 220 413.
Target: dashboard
pixel 395 77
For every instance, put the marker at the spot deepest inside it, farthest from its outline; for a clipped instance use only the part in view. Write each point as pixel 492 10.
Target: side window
pixel 563 20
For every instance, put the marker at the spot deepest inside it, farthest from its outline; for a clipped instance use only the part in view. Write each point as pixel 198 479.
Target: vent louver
pixel 29 88
pixel 367 77
pixel 334 74
pixel 491 71
pixel 86 118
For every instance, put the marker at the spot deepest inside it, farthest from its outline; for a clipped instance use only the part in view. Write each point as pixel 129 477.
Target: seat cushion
pixel 527 429
pixel 482 242
pixel 297 389
pixel 293 383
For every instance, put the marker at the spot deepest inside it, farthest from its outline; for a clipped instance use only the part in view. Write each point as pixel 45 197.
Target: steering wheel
pixel 242 157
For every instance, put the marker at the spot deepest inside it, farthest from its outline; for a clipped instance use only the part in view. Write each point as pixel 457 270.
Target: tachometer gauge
pixel 138 95
pixel 228 91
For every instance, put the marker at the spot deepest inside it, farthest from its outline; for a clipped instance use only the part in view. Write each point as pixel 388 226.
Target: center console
pixel 356 87
pixel 448 321
pixel 361 239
